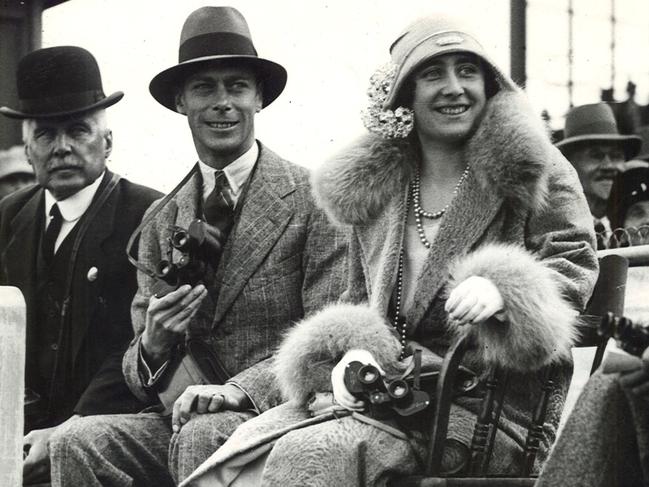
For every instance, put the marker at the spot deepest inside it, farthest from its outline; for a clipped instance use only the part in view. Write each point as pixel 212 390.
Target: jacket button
pixel 93 272
pixel 54 346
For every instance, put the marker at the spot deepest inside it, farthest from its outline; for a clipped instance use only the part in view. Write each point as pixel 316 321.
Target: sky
pixel 330 49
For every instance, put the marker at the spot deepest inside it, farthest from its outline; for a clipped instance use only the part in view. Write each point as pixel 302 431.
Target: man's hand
pixel 342 396
pixel 473 301
pixel 167 320
pixel 36 465
pixel 209 398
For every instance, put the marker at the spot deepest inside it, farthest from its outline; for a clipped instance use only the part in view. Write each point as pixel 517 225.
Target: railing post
pixel 12 384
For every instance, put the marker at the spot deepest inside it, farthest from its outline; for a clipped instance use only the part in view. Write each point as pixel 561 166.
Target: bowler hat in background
pixel 596 123
pixel 643 133
pixel 629 188
pixel 57 82
pixel 216 34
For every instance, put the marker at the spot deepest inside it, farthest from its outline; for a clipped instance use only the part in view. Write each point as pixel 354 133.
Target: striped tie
pixel 219 207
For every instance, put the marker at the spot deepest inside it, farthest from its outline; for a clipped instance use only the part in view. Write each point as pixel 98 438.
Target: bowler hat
pixel 643 133
pixel 14 161
pixel 59 81
pixel 433 36
pixel 216 34
pixel 629 188
pixel 596 122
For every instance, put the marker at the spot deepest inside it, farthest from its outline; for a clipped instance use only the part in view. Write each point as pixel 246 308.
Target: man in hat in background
pixel 280 260
pixel 62 244
pixel 596 149
pixel 15 171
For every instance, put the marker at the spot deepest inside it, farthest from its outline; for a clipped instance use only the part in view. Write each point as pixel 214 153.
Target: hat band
pixel 599 127
pixel 216 44
pixel 60 103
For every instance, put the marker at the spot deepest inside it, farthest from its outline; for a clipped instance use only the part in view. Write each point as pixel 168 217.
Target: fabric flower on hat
pixel 388 124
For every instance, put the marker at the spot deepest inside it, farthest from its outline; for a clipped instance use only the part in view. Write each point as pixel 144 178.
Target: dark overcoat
pixel 97 329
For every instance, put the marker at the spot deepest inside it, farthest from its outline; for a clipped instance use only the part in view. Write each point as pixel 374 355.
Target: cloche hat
pixel 216 34
pixel 432 36
pixel 596 122
pixel 57 82
pixel 629 187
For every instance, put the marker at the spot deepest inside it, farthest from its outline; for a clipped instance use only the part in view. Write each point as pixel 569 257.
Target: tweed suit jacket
pixel 282 260
pixel 98 327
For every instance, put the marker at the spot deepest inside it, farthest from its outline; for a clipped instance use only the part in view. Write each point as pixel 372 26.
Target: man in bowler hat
pixel 596 149
pixel 62 244
pixel 279 260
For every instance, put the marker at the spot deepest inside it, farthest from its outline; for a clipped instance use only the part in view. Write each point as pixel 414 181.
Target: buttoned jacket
pixel 98 328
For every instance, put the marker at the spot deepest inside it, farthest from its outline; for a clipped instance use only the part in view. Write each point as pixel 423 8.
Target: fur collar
pixel 509 153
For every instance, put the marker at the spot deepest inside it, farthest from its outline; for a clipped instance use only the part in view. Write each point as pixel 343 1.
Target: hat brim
pixel 630 143
pixel 103 103
pixel 165 85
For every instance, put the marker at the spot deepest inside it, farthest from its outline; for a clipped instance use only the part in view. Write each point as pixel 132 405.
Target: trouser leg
pixel 112 450
pixel 199 438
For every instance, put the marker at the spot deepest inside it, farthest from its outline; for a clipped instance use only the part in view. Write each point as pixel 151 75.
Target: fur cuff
pixel 541 325
pixel 310 350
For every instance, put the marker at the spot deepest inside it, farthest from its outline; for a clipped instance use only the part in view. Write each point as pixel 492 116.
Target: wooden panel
pixel 12 385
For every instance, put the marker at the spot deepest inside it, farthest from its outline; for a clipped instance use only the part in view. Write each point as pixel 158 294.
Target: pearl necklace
pixel 400 327
pixel 420 212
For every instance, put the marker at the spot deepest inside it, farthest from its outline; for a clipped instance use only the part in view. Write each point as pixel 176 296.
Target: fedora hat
pixel 57 82
pixel 596 122
pixel 433 36
pixel 216 34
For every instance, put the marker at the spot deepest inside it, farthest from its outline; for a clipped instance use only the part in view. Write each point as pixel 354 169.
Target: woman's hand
pixel 342 396
pixel 473 301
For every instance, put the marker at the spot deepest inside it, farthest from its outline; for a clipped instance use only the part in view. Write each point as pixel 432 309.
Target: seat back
pixel 12 385
pixel 608 297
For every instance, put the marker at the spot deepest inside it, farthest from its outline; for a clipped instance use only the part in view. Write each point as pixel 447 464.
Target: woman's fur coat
pixel 520 220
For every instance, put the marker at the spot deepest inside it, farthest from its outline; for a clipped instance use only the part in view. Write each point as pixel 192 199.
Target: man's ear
pixel 180 104
pixel 26 149
pixel 108 138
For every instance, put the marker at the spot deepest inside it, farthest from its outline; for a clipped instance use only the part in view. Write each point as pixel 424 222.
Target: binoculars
pixel 197 248
pixel 384 396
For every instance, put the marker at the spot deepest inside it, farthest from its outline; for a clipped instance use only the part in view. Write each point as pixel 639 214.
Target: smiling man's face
pixel 68 154
pixel 597 163
pixel 220 103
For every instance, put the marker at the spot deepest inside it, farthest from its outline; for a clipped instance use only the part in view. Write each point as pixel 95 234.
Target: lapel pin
pixel 93 272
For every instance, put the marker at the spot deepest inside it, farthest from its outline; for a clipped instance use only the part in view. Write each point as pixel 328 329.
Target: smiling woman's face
pixel 449 98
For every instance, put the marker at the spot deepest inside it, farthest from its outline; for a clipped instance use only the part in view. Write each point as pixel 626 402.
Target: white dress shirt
pixel 237 173
pixel 72 208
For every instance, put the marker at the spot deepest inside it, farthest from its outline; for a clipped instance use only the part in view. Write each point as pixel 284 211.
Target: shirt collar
pixel 73 207
pixel 236 172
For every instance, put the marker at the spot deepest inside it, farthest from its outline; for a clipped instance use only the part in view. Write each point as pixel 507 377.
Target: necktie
pixel 52 232
pixel 219 207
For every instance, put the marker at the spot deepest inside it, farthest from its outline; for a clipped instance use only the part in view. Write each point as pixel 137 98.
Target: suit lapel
pixel 91 254
pixel 465 222
pixel 263 218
